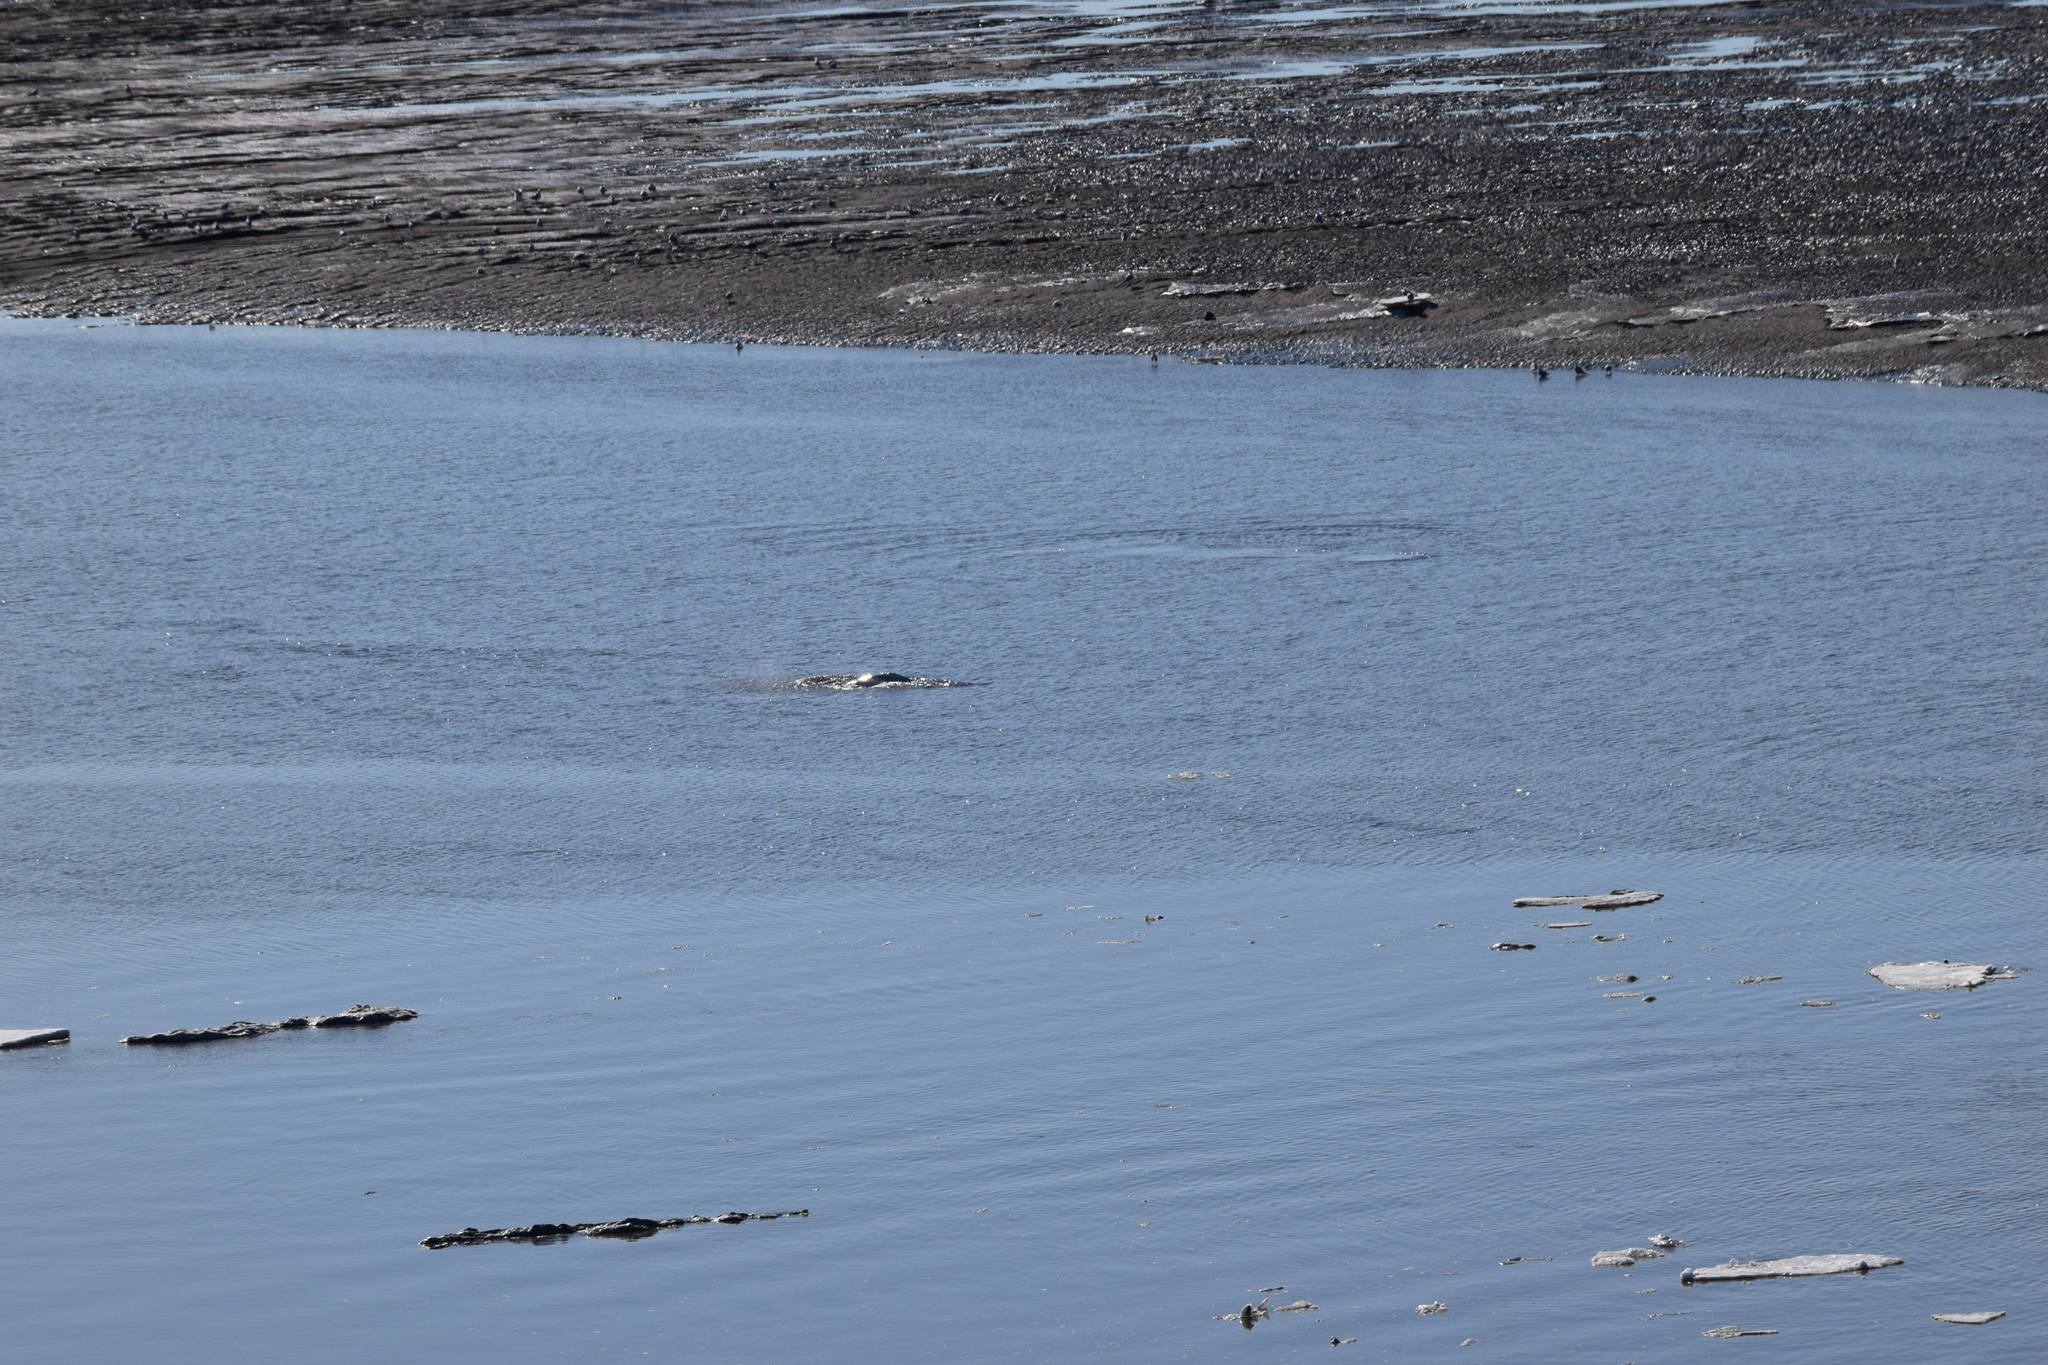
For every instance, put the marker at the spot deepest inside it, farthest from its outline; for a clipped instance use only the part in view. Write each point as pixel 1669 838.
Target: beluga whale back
pixel 861 682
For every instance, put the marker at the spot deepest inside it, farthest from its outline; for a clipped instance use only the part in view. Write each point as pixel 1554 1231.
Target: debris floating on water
pixel 11 1038
pixel 1434 1306
pixel 1664 1241
pixel 1757 980
pixel 1620 978
pixel 355 1016
pixel 1940 976
pixel 1836 1263
pixel 1568 924
pixel 1611 900
pixel 1816 1004
pixel 1511 947
pixel 1732 1331
pixel 630 1229
pixel 1298 1306
pixel 1967 1319
pixel 1622 900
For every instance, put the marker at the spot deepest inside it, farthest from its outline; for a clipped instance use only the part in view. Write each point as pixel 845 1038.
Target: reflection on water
pixel 1079 1006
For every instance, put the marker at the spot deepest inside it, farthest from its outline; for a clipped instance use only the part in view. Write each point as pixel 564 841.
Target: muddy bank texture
pixel 1838 189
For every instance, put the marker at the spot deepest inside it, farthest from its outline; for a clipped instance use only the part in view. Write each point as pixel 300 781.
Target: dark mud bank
pixel 1803 189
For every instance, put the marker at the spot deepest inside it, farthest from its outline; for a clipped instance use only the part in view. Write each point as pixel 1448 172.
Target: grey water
pixel 1083 1005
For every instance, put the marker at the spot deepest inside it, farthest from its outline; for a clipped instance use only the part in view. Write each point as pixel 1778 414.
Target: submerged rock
pixel 355 1016
pixel 861 682
pixel 1967 1319
pixel 11 1038
pixel 1940 976
pixel 1837 1263
pixel 627 1229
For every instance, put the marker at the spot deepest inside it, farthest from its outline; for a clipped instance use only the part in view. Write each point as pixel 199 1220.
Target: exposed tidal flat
pixel 1820 188
pixel 1144 978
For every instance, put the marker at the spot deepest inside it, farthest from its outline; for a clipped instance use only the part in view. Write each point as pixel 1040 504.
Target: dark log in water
pixel 627 1229
pixel 355 1016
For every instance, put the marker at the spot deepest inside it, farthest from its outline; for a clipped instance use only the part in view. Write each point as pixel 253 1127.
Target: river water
pixel 1081 1005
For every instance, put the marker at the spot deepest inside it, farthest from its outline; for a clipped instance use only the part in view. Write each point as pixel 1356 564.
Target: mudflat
pixel 1839 189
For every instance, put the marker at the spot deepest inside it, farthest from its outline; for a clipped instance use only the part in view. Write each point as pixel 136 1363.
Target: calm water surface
pixel 448 671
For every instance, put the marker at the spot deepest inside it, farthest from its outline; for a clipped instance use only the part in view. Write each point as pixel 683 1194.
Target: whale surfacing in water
pixel 860 682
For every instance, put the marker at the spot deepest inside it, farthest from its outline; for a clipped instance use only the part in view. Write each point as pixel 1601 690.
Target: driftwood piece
pixel 1608 900
pixel 11 1038
pixel 355 1016
pixel 627 1229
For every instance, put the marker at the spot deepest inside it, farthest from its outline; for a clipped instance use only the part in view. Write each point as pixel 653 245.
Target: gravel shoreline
pixel 1823 190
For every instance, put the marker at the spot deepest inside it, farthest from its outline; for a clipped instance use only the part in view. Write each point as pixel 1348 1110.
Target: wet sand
pixel 1827 190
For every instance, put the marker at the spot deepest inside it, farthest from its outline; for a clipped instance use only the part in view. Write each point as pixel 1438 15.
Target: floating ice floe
pixel 1837 1263
pixel 1940 976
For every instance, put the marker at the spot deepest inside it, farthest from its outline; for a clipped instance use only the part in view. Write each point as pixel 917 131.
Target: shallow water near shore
pixel 1080 1006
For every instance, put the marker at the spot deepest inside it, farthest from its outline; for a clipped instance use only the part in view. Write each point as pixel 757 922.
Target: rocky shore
pixel 1822 189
